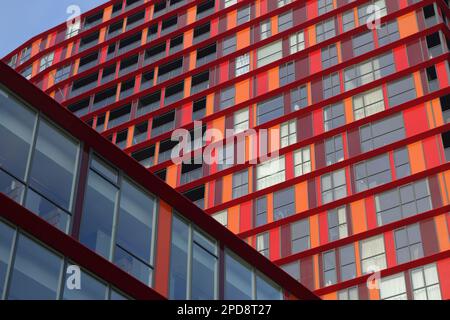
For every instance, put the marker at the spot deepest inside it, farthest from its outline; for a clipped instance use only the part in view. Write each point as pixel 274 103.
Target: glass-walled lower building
pixel 61 175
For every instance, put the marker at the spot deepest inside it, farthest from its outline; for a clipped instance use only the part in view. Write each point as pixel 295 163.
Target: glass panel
pixel 6 239
pixel 135 226
pixel 47 210
pixel 16 130
pixel 265 290
pixel 11 187
pixel 178 259
pixel 238 280
pixel 97 221
pixel 133 266
pixel 204 266
pixel 35 274
pixel 53 167
pixel 91 289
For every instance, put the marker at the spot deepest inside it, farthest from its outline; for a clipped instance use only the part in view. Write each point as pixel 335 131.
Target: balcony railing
pixel 191 175
pixel 162 129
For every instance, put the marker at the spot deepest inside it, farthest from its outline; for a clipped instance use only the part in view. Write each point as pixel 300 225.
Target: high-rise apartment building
pixel 354 96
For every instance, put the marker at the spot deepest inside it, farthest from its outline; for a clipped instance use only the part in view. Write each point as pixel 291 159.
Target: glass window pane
pixel 53 166
pixel 16 130
pixel 135 226
pixel 97 220
pixel 178 259
pixel 11 187
pixel 238 280
pixel 204 266
pixel 47 210
pixel 35 274
pixel 6 239
pixel 133 266
pixel 266 290
pixel 91 289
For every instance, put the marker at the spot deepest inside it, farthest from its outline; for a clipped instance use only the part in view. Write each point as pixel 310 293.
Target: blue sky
pixel 20 20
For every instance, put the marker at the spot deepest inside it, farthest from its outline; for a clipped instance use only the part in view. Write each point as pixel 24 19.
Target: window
pixel 6 240
pixel 285 21
pixel 334 150
pixel 145 157
pixel 99 207
pixel 261 211
pixel 302 161
pixel 331 85
pixel 222 218
pixel 242 64
pixel 432 78
pixel 240 184
pixel 46 61
pixel 133 252
pixel 91 288
pixel 297 42
pixel 190 245
pixel 349 294
pixel 238 279
pixel 54 164
pixel 425 283
pixel 348 20
pixel 388 33
pixel 408 244
pixel 337 224
pixel 229 45
pixel 288 133
pixel 270 109
pixel 31 262
pixel 393 288
pixel 269 53
pixel 363 43
pixel 27 72
pixel 241 121
pixel 325 30
pixel 300 236
pixel 299 98
pixel 281 3
pixel 25 54
pixel 229 3
pixel 62 73
pixel 293 269
pixel 17 124
pixel 204 267
pixel 225 156
pixel 333 116
pixel 227 97
pixel 382 132
pixel 333 186
pixel 283 203
pixel 401 161
pixel 402 202
pixel 329 56
pixel 347 262
pixel 287 73
pixel 329 268
pixel 325 6
pixel 372 173
pixel 368 71
pixel 368 103
pixel 270 173
pixel 262 244
pixel 73 29
pixel 243 14
pixel 178 275
pixel 401 91
pixel 265 29
pixel 366 14
pixel 373 256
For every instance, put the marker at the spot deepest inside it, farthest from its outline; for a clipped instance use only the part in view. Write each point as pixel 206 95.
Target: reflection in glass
pixel 35 273
pixel 53 166
pixel 97 220
pixel 47 210
pixel 6 239
pixel 238 279
pixel 17 124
